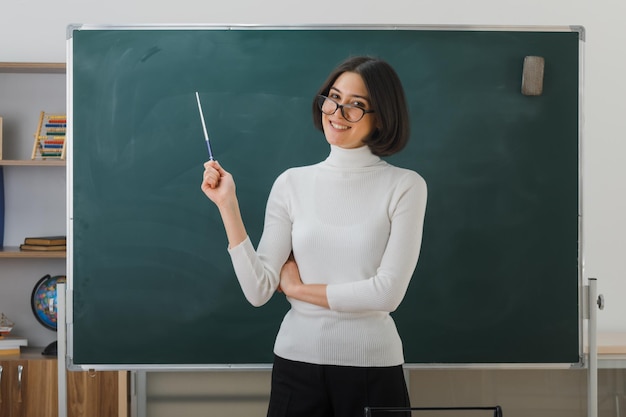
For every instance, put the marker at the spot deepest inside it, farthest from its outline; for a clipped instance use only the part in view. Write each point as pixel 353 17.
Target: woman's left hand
pixel 291 284
pixel 289 277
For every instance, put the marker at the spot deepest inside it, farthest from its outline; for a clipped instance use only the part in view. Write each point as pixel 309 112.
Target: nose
pixel 339 111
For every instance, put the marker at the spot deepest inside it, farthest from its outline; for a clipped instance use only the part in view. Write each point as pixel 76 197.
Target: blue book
pixel 1 208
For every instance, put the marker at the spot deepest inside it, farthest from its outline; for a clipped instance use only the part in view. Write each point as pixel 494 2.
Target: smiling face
pixel 349 88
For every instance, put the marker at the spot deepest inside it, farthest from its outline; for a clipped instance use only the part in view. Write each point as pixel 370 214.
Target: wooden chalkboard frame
pixel 80 331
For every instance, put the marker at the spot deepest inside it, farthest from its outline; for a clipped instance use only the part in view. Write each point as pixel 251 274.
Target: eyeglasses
pixel 349 112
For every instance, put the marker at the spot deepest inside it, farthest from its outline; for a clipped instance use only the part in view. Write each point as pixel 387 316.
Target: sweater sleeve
pixel 258 272
pixel 385 290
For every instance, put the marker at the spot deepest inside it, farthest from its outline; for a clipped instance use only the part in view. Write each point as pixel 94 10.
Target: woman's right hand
pixel 217 183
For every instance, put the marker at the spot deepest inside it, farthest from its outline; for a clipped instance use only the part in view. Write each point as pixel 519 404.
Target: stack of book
pixel 45 243
pixel 10 345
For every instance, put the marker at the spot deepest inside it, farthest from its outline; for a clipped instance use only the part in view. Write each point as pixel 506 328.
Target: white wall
pixel 36 31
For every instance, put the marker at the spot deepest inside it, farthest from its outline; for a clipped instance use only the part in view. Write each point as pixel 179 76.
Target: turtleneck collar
pixel 351 158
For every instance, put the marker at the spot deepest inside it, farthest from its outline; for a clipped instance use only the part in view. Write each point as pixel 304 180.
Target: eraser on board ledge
pixel 532 76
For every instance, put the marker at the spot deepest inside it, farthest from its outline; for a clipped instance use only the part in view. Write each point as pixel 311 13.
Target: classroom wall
pixel 34 31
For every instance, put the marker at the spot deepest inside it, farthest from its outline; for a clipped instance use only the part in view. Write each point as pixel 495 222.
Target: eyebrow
pixel 353 95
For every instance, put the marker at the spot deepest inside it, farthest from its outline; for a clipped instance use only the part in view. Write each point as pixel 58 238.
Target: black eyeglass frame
pixel 322 99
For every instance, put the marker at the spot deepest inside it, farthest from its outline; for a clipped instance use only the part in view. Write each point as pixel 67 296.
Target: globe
pixel 44 300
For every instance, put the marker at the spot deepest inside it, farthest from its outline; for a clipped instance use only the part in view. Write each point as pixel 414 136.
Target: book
pixel 5 352
pixel 45 240
pixel 12 342
pixel 43 247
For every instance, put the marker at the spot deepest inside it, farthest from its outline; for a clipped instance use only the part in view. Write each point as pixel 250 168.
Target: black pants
pixel 305 390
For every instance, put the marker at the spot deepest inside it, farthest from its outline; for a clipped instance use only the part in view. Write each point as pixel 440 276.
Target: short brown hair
pixel 386 97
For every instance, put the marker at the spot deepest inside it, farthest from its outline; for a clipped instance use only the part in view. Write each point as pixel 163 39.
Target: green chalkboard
pixel 151 281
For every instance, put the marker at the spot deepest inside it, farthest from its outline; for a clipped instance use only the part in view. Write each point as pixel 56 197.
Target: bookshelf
pixel 33 163
pixel 28 89
pixel 33 67
pixel 34 190
pixel 15 252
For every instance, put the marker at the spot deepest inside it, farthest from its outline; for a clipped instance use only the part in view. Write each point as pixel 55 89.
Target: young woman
pixel 341 240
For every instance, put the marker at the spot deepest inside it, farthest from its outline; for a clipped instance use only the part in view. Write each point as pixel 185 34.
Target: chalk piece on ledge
pixel 532 76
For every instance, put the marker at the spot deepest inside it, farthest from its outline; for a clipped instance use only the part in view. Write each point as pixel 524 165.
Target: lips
pixel 338 126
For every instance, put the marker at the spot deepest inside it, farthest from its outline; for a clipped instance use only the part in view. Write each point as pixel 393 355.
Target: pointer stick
pixel 206 135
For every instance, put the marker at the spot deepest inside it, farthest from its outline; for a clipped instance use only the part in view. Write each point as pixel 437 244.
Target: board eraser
pixel 532 76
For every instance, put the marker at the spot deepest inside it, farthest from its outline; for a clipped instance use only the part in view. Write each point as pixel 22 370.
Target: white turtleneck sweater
pixel 353 222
